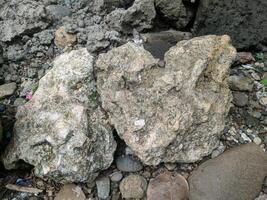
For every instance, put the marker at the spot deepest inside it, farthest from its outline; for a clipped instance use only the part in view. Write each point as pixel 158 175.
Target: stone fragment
pixel 62 131
pixel 7 89
pixel 70 192
pixel 64 39
pixel 240 83
pixel 57 12
pixel 133 186
pixel 168 186
pixel 128 164
pixel 245 57
pixel 236 174
pixel 170 114
pixel 240 99
pixel 116 176
pixel 103 187
pixel 245 21
pixel 158 43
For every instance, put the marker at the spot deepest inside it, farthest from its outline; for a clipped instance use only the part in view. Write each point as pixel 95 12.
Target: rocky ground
pixel 99 101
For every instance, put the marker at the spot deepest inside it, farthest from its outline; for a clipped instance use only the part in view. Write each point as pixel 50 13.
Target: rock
pixel 57 12
pixel 7 89
pixel 116 176
pixel 19 102
pixel 158 43
pixel 168 186
pixel 21 17
pixel 171 114
pixel 240 83
pixel 64 39
pixel 262 197
pixel 62 131
pixel 70 192
pixel 133 186
pixel 236 174
pixel 257 140
pixel 1 132
pixel 174 11
pixel 263 101
pixel 103 187
pixel 170 166
pixel 128 164
pixel 248 22
pixel 245 57
pixel 240 99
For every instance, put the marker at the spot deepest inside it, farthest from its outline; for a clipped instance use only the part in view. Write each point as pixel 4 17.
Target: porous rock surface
pixel 170 114
pixel 62 131
pixel 245 21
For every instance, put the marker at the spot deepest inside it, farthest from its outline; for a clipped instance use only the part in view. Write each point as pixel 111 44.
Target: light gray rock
pixel 171 114
pixel 7 89
pixel 128 164
pixel 62 131
pixel 133 187
pixel 103 187
pixel 240 83
pixel 236 174
pixel 116 176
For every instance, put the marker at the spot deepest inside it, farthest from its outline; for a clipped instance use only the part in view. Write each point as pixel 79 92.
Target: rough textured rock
pixel 168 114
pixel 168 186
pixel 158 43
pixel 62 131
pixel 174 11
pixel 245 21
pixel 7 89
pixel 70 192
pixel 140 16
pixel 24 17
pixel 236 174
pixel 240 83
pixel 133 187
pixel 103 187
pixel 64 39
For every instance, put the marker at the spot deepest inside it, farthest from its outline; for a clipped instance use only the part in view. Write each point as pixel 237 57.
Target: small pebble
pixel 133 187
pixel 103 187
pixel 257 140
pixel 116 176
pixel 128 164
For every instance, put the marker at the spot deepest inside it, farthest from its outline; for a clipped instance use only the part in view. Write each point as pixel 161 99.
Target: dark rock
pixel 128 164
pixel 168 186
pixel 245 21
pixel 240 99
pixel 236 174
pixel 159 43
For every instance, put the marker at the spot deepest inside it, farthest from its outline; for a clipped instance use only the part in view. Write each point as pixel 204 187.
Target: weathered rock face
pixel 236 174
pixel 62 131
pixel 244 20
pixel 174 11
pixel 168 114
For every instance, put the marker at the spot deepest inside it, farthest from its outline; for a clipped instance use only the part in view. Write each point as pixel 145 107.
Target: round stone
pixel 133 186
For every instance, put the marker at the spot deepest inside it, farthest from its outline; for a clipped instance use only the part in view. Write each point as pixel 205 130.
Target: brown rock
pixel 245 57
pixel 168 186
pixel 64 39
pixel 236 174
pixel 70 192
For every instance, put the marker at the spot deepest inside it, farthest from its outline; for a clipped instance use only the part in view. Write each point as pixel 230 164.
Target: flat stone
pixel 70 192
pixel 116 176
pixel 7 89
pixel 133 186
pixel 236 174
pixel 128 164
pixel 168 186
pixel 240 83
pixel 103 187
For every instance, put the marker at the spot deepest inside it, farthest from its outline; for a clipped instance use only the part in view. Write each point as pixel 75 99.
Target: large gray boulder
pixel 244 20
pixel 168 114
pixel 236 174
pixel 62 131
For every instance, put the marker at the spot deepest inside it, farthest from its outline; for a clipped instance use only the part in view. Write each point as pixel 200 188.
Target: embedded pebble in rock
pixel 62 131
pixel 133 186
pixel 116 176
pixel 168 186
pixel 240 99
pixel 170 114
pixel 236 174
pixel 240 83
pixel 128 164
pixel 64 39
pixel 70 192
pixel 257 140
pixel 7 89
pixel 103 187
